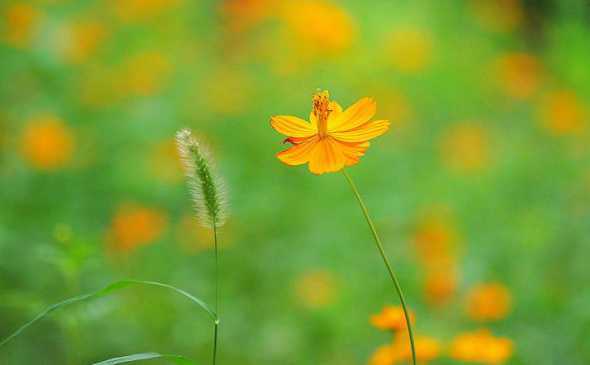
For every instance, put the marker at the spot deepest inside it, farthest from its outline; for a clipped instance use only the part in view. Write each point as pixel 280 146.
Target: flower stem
pixel 385 260
pixel 216 303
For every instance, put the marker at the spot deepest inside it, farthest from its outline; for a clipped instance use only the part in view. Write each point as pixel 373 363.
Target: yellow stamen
pixel 321 102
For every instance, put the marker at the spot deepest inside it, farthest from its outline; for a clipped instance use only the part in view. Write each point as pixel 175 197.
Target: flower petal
pixel 327 156
pixel 357 114
pixel 299 153
pixel 363 133
pixel 292 126
pixel 353 151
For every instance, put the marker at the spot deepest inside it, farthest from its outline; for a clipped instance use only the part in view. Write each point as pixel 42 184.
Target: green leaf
pixel 176 359
pixel 107 290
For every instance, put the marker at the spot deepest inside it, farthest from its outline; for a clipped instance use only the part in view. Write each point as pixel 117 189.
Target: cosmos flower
pixel 333 138
pixel 481 347
pixel 47 143
pixel 391 318
pixel 489 302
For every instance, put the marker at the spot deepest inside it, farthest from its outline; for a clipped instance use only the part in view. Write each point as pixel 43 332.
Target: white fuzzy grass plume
pixel 205 186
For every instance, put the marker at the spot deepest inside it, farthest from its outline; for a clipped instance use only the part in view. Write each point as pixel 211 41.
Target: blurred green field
pixel 480 190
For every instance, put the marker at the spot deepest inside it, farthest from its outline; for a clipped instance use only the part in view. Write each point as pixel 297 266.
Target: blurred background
pixel 481 189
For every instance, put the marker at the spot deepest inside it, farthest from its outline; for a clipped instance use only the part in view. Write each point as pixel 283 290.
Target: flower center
pixel 321 111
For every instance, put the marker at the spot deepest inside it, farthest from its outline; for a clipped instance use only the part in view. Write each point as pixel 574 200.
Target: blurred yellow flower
pixel 481 347
pixel 562 113
pixel 21 20
pixel 164 162
pixel 83 39
pixel 334 138
pixel 316 289
pixel 47 143
pixel 319 26
pixel 214 91
pixel 410 50
pixel 391 318
pixel 519 74
pixel 489 302
pixel 145 73
pixel 498 15
pixel 427 348
pixel 141 10
pixel 465 148
pixel 134 226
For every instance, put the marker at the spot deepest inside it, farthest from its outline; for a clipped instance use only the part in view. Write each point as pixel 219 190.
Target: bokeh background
pixel 481 189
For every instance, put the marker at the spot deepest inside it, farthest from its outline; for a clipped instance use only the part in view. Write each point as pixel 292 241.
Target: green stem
pixel 216 303
pixel 398 288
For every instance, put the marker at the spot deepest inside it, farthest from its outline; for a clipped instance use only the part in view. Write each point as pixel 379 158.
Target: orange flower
pixel 441 284
pixel 319 26
pixel 562 113
pixel 316 289
pixel 489 302
pixel 466 148
pixel 427 348
pixel 21 21
pixel 135 226
pixel 47 143
pixel 384 355
pixel 481 347
pixel 498 15
pixel 391 318
pixel 519 74
pixel 84 38
pixel 334 138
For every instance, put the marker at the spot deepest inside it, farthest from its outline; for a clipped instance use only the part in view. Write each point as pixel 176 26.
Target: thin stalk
pixel 396 284
pixel 216 303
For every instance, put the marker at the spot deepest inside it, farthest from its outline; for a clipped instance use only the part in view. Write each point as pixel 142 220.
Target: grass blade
pixel 176 359
pixel 107 290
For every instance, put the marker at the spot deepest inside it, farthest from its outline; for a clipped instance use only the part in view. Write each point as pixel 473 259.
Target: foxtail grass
pixel 209 199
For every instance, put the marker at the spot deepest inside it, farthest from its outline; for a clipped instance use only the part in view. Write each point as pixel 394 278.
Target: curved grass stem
pixel 396 284
pixel 216 303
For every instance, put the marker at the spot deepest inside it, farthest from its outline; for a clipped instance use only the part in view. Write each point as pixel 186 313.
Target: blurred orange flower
pixel 436 239
pixel 562 113
pixel 134 226
pixel 410 50
pixel 21 20
pixel 333 138
pixel 498 15
pixel 83 40
pixel 441 284
pixel 427 348
pixel 384 355
pixel 316 289
pixel 489 302
pixel 465 148
pixel 519 74
pixel 481 347
pixel 242 14
pixel 47 143
pixel 391 318
pixel 319 26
